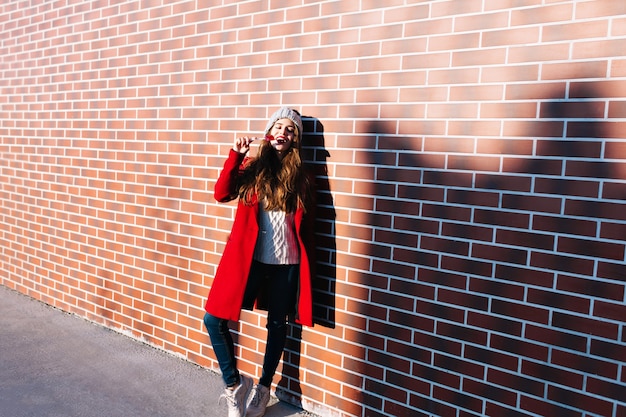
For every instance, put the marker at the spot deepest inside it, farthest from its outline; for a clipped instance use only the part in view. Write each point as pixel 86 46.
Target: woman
pixel 268 258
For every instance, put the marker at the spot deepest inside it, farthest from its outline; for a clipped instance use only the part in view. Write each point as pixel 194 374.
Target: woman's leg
pixel 283 283
pixel 223 347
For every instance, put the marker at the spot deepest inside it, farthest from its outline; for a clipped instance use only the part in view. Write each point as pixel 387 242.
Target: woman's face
pixel 284 133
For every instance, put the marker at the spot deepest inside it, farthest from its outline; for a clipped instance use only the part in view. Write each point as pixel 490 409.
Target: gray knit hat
pixel 285 113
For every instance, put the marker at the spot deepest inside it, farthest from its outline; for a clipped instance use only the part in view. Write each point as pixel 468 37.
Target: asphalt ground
pixel 54 364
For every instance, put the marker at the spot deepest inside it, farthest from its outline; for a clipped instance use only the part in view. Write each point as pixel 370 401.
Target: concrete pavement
pixel 54 364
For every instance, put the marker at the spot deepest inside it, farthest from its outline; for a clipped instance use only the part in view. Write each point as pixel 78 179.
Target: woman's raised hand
pixel 242 145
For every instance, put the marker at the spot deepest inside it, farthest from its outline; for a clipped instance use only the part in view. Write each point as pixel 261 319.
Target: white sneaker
pixel 258 402
pixel 236 399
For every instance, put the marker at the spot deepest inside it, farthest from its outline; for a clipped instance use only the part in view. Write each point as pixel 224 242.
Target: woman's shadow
pixel 316 156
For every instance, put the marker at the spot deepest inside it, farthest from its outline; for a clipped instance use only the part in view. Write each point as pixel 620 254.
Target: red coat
pixel 226 295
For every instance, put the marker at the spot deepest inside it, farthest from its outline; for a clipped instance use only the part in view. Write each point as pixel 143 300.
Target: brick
pixel 510 73
pixel 535 91
pixel 589 326
pixel 590 287
pixel 604 209
pixel 593 248
pixel 597 49
pixel 500 410
pixel 500 254
pixel 507 110
pixel 469 300
pixel 441 311
pixel 578 400
pixel 458 397
pixel 431 406
pixel 516 382
pixel 537 166
pixel 452 110
pixel 556 71
pixel 567 187
pixel 597 170
pixel 614 149
pixel 535 15
pixel 400 301
pixel 391 45
pixel 558 300
pixel 496 324
pixel 470 335
pixel 495 288
pixel 450 213
pixel 584 363
pixel 370 219
pixel 379 158
pixel 383 190
pixel 488 391
pixel 559 262
pixel 491 217
pixel 576 30
pixel 412 191
pixel 369 249
pixel 437 277
pixel 464 231
pixel 604 389
pixel 510 36
pixel 395 362
pixel 410 318
pixel 454 76
pixel 552 374
pixel 612 271
pixel 608 89
pixel 574 110
pixel 479 198
pixel 391 206
pixel 394 409
pixel 437 376
pixel 440 245
pixel 525 239
pixel 609 311
pixel 521 311
pixel 415 256
pixel 535 406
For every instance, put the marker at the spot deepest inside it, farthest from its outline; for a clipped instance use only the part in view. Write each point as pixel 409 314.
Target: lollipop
pixel 267 137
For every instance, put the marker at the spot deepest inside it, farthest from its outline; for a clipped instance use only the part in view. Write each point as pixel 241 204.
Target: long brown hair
pixel 280 183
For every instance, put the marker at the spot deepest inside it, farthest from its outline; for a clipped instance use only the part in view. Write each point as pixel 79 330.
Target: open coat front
pixel 226 295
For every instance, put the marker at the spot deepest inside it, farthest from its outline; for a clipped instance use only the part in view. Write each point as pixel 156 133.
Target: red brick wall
pixel 472 170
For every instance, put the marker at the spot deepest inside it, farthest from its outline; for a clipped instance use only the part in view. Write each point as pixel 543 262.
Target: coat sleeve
pixel 226 186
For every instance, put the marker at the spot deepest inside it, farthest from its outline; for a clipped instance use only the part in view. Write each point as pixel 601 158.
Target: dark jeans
pixel 282 286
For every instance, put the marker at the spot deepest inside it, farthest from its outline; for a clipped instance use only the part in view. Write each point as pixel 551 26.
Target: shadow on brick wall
pixel 316 156
pixel 326 264
pixel 531 255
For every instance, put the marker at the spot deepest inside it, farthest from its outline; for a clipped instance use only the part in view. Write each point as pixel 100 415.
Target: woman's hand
pixel 242 145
